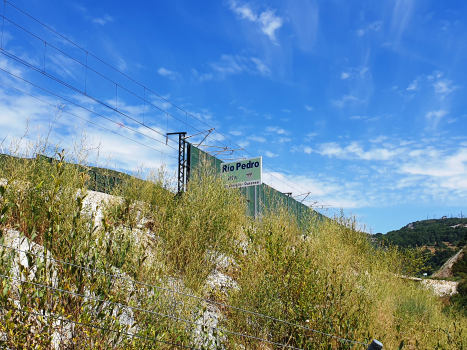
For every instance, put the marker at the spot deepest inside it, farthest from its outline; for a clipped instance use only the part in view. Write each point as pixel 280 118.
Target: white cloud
pixel 354 73
pixel 307 150
pixel 203 77
pixel 437 164
pixel 237 64
pixel 64 66
pixel 444 87
pixel 310 136
pixel 286 111
pixel 261 66
pixel 346 99
pixel 121 64
pixel 284 139
pixel 15 109
pixel 243 144
pixel 244 11
pixel 277 130
pixel 235 132
pixel 206 115
pixel 355 151
pixel 257 138
pixel 270 23
pixel 246 110
pixel 308 108
pixel 168 73
pixel 270 154
pixel 103 20
pixel 375 26
pixel 413 86
pixel 435 116
pixel 441 86
pixel 379 139
pixel 322 192
pixel 267 20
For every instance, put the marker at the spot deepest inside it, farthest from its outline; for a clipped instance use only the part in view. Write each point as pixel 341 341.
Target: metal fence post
pixel 255 204
pixel 375 345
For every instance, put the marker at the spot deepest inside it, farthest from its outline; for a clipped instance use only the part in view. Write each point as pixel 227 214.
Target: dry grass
pixel 326 276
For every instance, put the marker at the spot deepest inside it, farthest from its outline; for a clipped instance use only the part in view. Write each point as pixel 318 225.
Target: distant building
pixel 444 217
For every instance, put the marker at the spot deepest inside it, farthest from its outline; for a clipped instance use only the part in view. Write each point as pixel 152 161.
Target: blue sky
pixel 360 103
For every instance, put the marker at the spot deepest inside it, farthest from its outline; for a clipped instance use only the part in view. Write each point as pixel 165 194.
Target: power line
pixel 181 293
pixel 136 82
pixel 78 105
pixel 88 121
pixel 17 59
pixel 107 64
pixel 87 68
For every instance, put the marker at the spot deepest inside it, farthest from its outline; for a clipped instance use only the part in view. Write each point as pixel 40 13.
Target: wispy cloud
pixel 345 100
pixel 277 130
pixel 121 64
pixel 434 117
pixel 235 132
pixel 401 16
pixel 379 139
pixel 257 138
pixel 246 110
pixel 235 64
pixel 267 20
pixel 243 144
pixel 414 85
pixel 286 111
pixel 203 77
pixel 353 73
pixel 63 65
pixel 310 136
pixel 372 27
pixel 103 20
pixel 444 87
pixel 355 151
pixel 308 108
pixel 168 73
pixel 270 154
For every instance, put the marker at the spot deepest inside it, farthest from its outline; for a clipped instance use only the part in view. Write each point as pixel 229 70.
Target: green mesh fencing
pixel 99 179
pixel 261 198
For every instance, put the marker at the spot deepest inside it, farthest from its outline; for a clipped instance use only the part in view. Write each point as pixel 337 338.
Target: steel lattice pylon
pixel 181 160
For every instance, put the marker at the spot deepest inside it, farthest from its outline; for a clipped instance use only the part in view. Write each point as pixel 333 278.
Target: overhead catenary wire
pixel 184 294
pixel 19 60
pixel 87 68
pixel 88 121
pixel 159 96
pixel 82 107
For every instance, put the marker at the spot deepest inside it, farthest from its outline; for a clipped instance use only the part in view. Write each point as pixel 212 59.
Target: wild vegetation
pixel 324 276
pixel 440 239
pixel 429 232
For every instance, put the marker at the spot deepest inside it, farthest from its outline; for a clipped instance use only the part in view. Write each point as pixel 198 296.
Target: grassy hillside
pixel 322 277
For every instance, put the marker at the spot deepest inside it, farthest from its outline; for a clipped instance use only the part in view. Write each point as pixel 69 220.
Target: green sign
pixel 243 173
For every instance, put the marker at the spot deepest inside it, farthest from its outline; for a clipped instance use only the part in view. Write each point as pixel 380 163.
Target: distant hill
pixel 429 233
pixel 440 238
